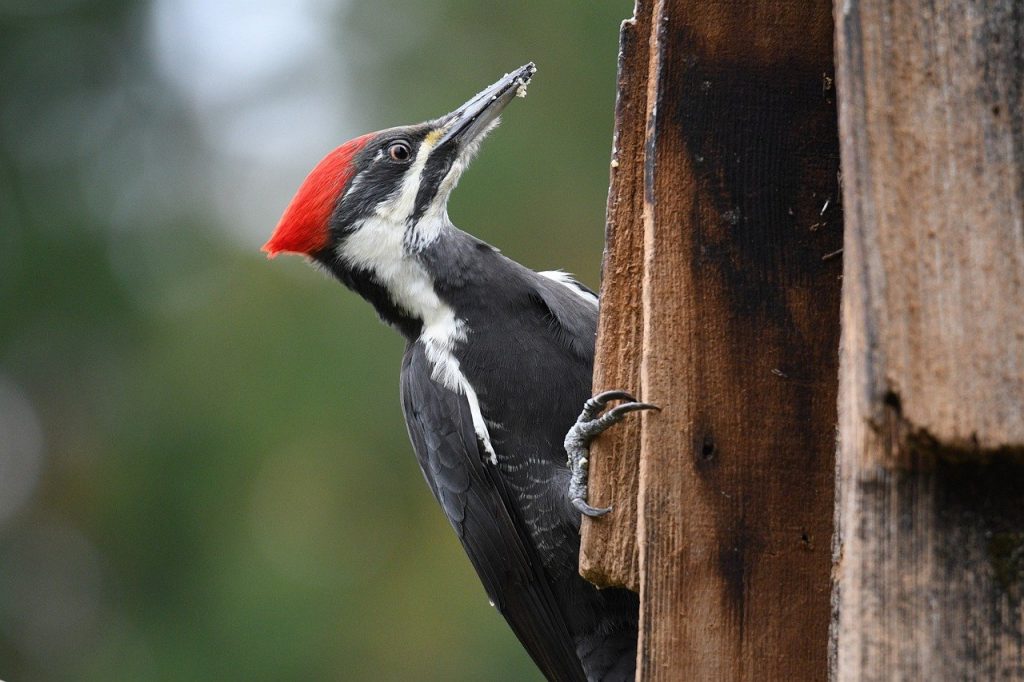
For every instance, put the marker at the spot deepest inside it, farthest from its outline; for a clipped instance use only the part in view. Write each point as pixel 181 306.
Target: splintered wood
pixel 723 211
pixel 609 553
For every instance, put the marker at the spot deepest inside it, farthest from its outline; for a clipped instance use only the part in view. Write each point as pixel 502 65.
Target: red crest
pixel 303 227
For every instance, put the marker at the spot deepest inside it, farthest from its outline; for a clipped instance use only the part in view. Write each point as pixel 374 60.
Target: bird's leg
pixel 577 442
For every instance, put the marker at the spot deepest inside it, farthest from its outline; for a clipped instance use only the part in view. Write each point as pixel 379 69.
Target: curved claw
pixel 589 424
pixel 616 412
pixel 605 397
pixel 595 405
pixel 592 512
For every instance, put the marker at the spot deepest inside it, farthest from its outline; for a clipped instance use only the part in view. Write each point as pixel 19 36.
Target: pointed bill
pixel 466 122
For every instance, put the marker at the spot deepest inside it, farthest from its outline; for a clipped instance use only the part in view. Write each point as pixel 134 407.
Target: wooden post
pixel 609 552
pixel 740 326
pixel 930 552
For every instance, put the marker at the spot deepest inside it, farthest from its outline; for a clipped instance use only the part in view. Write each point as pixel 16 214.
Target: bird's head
pixel 389 190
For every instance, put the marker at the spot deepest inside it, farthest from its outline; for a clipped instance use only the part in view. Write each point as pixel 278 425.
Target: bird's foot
pixel 577 442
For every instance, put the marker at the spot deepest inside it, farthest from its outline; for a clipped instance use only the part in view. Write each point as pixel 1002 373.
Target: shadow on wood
pixel 739 332
pixel 930 552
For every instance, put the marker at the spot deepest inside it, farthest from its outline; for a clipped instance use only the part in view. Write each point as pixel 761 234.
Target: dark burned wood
pixel 609 554
pixel 930 570
pixel 740 341
pixel 930 539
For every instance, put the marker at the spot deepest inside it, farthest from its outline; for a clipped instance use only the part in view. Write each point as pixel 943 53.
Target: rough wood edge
pixel 608 553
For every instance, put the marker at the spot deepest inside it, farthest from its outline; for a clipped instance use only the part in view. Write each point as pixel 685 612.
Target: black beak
pixel 466 122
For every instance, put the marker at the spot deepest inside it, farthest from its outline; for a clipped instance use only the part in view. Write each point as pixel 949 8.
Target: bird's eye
pixel 399 151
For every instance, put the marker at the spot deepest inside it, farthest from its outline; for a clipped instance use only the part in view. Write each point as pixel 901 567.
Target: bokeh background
pixel 204 473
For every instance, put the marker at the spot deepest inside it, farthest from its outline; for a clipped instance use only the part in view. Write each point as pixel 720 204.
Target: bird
pixel 497 365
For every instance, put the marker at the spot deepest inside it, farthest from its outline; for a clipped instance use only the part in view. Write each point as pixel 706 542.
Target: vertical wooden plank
pixel 930 505
pixel 933 93
pixel 741 304
pixel 608 554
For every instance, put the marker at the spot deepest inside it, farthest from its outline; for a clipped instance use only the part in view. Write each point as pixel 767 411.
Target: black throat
pixel 365 283
pixel 467 274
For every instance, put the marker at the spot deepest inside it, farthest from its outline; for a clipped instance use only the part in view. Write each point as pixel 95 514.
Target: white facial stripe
pixel 399 208
pixel 377 244
pixel 435 217
pixel 380 244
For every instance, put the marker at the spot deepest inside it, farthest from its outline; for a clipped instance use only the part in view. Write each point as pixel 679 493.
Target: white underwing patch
pixel 439 340
pixel 567 280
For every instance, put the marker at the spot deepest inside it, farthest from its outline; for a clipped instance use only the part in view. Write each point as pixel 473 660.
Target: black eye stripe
pixel 433 174
pixel 377 180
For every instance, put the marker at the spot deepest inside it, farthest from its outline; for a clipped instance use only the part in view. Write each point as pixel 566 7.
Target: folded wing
pixel 476 501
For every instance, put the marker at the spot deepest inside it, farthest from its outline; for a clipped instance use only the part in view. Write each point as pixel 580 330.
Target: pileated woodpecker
pixel 497 364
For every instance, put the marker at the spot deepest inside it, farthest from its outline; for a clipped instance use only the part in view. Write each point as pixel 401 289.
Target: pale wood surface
pixel 933 142
pixel 930 509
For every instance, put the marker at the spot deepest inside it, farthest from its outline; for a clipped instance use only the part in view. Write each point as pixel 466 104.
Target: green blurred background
pixel 204 473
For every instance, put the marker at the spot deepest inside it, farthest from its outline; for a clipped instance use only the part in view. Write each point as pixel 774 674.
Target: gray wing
pixel 478 505
pixel 572 312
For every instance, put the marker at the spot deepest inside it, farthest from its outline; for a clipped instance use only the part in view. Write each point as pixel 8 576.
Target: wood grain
pixel 608 555
pixel 933 141
pixel 741 325
pixel 929 563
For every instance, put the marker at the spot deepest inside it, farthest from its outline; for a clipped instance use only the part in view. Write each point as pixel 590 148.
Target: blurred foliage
pixel 204 472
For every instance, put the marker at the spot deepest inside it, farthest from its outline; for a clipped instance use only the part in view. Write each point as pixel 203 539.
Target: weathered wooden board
pixel 930 509
pixel 609 553
pixel 741 289
pixel 933 146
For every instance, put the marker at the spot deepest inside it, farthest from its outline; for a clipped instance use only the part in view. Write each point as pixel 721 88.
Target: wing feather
pixel 477 502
